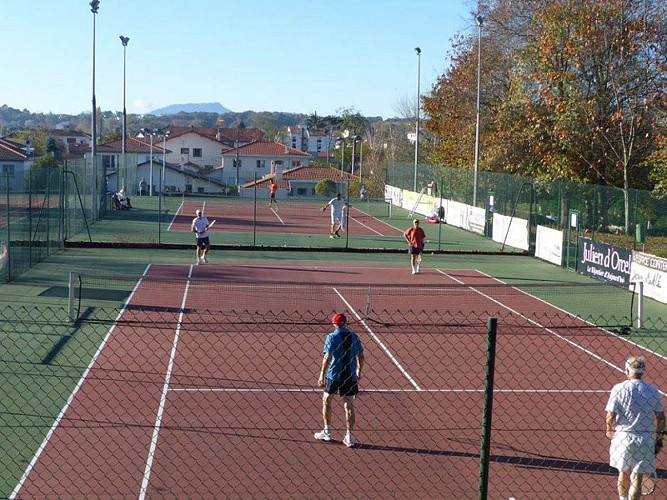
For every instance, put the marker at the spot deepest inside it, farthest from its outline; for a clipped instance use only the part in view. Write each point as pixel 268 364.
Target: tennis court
pixel 205 385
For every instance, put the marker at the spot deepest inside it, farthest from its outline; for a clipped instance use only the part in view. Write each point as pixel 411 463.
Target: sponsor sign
pixel 652 271
pixel 605 262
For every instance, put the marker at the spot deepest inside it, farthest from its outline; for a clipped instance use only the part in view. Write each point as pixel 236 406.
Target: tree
pixel 571 90
pixel 325 187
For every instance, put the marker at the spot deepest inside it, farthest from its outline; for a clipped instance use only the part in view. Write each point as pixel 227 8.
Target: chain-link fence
pixel 180 402
pixel 602 208
pixel 42 209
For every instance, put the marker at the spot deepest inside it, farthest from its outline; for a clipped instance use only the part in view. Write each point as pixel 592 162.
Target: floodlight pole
pixel 418 51
pixel 124 40
pixel 94 7
pixel 479 21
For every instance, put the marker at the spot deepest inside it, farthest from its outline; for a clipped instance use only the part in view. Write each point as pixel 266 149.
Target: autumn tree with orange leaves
pixel 571 90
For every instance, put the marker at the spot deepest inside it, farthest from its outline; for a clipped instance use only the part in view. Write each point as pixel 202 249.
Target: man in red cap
pixel 341 369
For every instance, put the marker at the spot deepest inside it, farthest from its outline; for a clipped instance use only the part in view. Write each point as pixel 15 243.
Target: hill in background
pixel 173 109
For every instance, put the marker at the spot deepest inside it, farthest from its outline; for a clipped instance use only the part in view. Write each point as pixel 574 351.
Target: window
pixel 8 170
pixel 301 191
pixel 185 151
pixel 319 144
pixel 261 163
pixel 196 152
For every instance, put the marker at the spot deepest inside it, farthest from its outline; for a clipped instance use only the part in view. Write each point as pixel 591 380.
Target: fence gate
pixel 572 240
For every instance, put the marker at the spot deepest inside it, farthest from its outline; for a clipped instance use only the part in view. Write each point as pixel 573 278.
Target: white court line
pixel 163 398
pixel 378 341
pixel 61 415
pixel 379 220
pixel 318 390
pixel 173 219
pixel 278 216
pixel 546 329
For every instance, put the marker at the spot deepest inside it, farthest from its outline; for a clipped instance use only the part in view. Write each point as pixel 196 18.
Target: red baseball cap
pixel 338 319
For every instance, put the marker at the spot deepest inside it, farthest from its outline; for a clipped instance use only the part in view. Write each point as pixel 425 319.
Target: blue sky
pixel 300 56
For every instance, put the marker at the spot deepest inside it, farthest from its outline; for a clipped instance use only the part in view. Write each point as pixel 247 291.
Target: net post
pixel 70 296
pixel 640 303
pixel 487 411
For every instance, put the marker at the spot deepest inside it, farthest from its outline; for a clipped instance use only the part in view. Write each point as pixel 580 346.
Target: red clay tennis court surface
pixel 288 217
pixel 200 405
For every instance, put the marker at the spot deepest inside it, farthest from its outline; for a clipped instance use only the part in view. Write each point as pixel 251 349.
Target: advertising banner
pixel 605 262
pixel 652 271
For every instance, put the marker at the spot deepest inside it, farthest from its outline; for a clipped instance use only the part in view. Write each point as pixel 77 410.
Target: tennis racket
pixel 649 482
pixel 210 225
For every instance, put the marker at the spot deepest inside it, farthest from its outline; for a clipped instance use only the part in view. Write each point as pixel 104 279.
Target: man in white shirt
pixel 200 228
pixel 338 206
pixel 635 424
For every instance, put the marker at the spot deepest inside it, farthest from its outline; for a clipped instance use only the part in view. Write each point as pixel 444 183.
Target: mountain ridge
pixel 206 107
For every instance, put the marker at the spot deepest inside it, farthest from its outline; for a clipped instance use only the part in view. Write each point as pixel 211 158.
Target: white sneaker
pixel 323 436
pixel 203 260
pixel 417 271
pixel 414 272
pixel 348 441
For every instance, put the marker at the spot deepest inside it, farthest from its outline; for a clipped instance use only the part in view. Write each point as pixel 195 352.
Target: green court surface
pixel 297 224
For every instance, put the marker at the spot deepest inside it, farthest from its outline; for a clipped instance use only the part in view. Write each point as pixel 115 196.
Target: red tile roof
pixel 302 173
pixel 220 134
pixel 132 145
pixel 265 148
pixel 11 151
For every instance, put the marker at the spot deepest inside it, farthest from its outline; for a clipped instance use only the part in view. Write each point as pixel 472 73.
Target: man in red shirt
pixel 416 238
pixel 273 187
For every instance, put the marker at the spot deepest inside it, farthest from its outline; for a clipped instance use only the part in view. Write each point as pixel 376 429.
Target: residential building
pixel 298 182
pixel 203 146
pixel 257 159
pixel 15 162
pixel 317 142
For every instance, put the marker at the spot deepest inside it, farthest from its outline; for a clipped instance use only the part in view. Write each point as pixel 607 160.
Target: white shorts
pixel 633 452
pixel 336 217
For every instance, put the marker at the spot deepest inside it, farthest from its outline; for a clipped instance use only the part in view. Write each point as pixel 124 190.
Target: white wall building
pixel 316 142
pixel 256 160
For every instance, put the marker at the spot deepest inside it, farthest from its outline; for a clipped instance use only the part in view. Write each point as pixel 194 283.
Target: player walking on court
pixel 416 238
pixel 635 424
pixel 341 370
pixel 337 215
pixel 273 187
pixel 200 225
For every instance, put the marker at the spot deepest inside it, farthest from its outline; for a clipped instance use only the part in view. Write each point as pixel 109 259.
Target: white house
pixel 317 142
pixel 203 146
pixel 257 159
pixel 14 165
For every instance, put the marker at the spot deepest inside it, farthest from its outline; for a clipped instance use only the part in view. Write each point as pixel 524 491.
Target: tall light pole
pixel 479 20
pixel 124 40
pixel 163 183
pixel 418 51
pixel 238 159
pixel 150 133
pixel 94 7
pixel 354 140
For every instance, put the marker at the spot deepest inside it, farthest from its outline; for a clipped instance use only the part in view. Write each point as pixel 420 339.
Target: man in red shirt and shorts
pixel 273 187
pixel 416 238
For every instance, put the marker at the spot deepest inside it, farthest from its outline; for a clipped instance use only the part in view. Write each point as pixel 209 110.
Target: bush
pixel 326 187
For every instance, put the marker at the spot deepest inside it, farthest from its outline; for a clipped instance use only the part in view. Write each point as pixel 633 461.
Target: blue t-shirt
pixel 335 345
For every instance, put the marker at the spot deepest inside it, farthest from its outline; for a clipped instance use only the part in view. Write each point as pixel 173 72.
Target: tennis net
pixel 255 301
